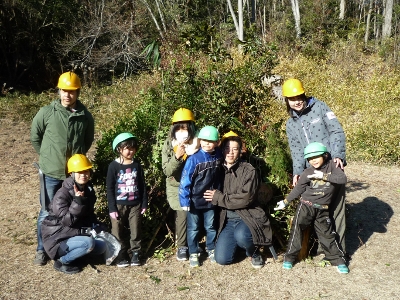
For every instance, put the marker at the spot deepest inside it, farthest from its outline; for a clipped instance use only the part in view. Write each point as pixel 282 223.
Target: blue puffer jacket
pixel 201 173
pixel 316 123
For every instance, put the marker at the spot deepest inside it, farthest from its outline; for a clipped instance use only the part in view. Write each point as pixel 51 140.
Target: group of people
pixel 212 191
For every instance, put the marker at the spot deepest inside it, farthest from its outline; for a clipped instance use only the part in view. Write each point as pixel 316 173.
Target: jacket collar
pixel 232 169
pixel 310 102
pixel 79 109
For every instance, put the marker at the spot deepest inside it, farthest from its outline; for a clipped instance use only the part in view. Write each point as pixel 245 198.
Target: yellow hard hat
pixel 69 81
pixel 292 87
pixel 182 114
pixel 78 163
pixel 228 134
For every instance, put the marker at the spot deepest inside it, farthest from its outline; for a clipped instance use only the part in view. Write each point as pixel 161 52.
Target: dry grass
pixel 373 230
pixel 364 93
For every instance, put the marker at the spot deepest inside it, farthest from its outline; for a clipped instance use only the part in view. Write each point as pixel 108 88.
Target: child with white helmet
pixel 127 198
pixel 316 188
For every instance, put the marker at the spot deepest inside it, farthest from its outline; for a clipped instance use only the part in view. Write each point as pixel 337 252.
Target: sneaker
pixel 257 261
pixel 67 269
pixel 135 261
pixel 40 258
pixel 182 253
pixel 123 263
pixel 211 256
pixel 194 260
pixel 342 269
pixel 287 265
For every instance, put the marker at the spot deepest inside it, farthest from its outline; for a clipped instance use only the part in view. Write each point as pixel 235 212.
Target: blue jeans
pixel 234 234
pixel 196 218
pixel 81 245
pixel 52 185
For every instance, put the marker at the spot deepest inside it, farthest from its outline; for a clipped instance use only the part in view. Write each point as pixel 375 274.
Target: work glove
pixel 186 208
pixel 317 175
pixel 280 205
pixel 114 215
pixel 85 231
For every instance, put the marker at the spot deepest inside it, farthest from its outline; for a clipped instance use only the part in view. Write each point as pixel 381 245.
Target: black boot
pixel 67 269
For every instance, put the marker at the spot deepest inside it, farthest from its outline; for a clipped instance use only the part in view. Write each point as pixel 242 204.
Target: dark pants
pixel 180 228
pixel 129 224
pixel 52 185
pixel 337 210
pixel 304 217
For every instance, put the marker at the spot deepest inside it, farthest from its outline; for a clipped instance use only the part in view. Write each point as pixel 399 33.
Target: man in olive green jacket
pixel 59 130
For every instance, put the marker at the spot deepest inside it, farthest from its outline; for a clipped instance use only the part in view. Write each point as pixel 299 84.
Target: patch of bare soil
pixel 372 241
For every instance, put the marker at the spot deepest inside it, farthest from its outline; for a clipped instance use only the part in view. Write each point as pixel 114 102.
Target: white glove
pixel 317 175
pixel 280 205
pixel 186 208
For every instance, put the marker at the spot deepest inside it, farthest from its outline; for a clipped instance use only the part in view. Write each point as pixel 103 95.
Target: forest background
pixel 141 60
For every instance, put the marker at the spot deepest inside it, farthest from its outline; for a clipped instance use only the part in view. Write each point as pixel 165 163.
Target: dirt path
pixel 372 240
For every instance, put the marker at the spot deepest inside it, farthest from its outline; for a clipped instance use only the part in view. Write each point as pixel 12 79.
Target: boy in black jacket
pixel 127 198
pixel 316 187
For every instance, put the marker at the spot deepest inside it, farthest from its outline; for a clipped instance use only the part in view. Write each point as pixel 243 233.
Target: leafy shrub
pixel 230 98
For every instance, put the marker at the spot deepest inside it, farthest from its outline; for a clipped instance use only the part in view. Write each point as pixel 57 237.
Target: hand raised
pixel 317 175
pixel 78 193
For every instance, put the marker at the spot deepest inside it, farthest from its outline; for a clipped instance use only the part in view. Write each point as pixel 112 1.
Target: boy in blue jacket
pixel 200 174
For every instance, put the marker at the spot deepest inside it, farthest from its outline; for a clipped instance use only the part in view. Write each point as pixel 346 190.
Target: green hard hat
pixel 209 133
pixel 120 138
pixel 314 149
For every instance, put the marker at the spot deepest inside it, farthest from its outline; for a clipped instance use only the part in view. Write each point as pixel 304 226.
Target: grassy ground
pixel 372 241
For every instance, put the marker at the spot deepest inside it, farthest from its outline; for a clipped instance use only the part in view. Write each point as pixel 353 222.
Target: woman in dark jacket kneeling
pixel 242 222
pixel 66 231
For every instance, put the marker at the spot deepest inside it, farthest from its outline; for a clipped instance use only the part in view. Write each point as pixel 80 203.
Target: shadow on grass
pixel 364 218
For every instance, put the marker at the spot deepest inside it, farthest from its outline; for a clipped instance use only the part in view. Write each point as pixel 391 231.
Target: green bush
pixel 230 98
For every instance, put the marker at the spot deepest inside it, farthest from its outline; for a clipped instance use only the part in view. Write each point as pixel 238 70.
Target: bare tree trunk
pixel 233 16
pixel 361 8
pixel 154 18
pixel 240 12
pixel 387 21
pixel 342 9
pixel 366 37
pixel 296 14
pixel 376 27
pixel 264 27
pixel 161 16
pixel 253 11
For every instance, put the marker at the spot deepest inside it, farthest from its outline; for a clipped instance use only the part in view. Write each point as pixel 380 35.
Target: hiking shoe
pixel 257 261
pixel 182 253
pixel 40 258
pixel 123 263
pixel 135 261
pixel 287 265
pixel 194 260
pixel 67 269
pixel 342 269
pixel 211 256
